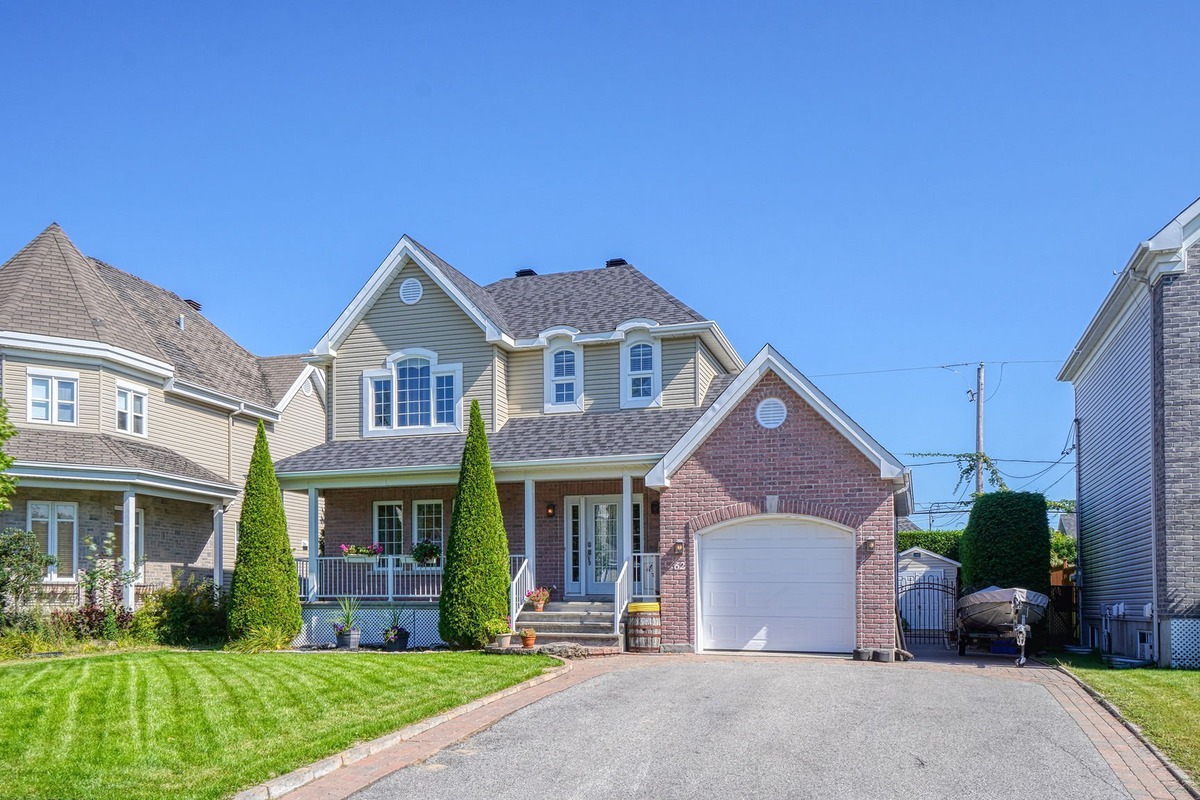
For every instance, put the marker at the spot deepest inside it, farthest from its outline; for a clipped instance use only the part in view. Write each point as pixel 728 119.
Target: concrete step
pixel 578 605
pixel 543 626
pixel 587 639
pixel 571 617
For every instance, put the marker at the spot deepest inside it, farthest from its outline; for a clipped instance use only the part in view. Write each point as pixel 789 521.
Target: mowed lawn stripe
pixel 159 724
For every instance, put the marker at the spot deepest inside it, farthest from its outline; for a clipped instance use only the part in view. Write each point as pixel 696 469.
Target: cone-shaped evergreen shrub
pixel 265 590
pixel 1007 542
pixel 475 578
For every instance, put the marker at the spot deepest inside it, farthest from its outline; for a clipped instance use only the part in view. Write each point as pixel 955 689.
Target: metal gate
pixel 927 606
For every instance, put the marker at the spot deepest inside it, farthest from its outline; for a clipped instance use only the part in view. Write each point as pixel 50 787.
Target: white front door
pixel 602 554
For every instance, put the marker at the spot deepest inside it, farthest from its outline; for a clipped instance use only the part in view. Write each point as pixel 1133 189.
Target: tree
pixel 1007 542
pixel 22 567
pixel 475 578
pixel 265 590
pixel 1062 549
pixel 8 484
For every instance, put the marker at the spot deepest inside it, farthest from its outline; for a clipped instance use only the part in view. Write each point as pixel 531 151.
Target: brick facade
pixel 803 467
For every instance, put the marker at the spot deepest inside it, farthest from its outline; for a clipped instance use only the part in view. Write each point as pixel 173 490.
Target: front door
pixel 602 557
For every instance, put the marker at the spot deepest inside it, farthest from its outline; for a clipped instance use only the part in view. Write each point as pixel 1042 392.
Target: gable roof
pixel 929 553
pixel 769 359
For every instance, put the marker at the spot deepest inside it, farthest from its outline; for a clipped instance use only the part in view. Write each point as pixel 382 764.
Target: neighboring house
pixel 1137 423
pixel 906 525
pixel 130 405
pixel 1068 525
pixel 636 456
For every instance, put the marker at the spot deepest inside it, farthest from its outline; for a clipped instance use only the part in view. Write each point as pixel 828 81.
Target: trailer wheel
pixel 962 646
pixel 1021 661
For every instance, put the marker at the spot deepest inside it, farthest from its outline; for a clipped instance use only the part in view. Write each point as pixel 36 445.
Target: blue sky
pixel 866 186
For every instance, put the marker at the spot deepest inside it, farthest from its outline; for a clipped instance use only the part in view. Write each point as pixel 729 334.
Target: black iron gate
pixel 927 605
pixel 1061 625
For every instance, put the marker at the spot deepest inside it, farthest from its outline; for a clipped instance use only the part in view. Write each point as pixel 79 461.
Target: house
pixel 130 405
pixel 636 457
pixel 1137 417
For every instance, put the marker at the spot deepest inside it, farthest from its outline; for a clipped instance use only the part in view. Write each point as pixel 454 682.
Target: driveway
pixel 747 727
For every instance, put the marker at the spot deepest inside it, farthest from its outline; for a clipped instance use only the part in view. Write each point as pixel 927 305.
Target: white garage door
pixel 777 584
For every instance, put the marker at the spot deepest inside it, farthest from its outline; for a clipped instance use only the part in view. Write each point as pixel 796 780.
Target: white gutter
pixel 225 402
pixel 80 472
pixel 632 461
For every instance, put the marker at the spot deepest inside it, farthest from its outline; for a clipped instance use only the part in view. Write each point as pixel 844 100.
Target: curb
pixel 290 781
pixel 1175 771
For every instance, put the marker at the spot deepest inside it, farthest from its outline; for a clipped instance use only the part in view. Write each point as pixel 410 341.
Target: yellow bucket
pixel 636 607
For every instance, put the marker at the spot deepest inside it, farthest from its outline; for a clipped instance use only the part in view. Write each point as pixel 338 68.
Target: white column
pixel 626 517
pixel 530 527
pixel 218 512
pixel 314 542
pixel 129 542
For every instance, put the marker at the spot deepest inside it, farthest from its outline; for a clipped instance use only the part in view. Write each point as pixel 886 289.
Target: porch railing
pixel 522 582
pixel 302 572
pixel 381 578
pixel 514 563
pixel 645 576
pixel 622 589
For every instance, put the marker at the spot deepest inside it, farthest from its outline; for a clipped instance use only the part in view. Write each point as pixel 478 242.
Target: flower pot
pixel 527 641
pixel 539 606
pixel 358 558
pixel 504 640
pixel 397 644
pixel 349 639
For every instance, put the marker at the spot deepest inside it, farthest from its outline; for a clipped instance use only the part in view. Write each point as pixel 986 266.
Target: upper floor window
pixel 564 379
pixel 131 409
pixel 414 394
pixel 53 397
pixel 641 372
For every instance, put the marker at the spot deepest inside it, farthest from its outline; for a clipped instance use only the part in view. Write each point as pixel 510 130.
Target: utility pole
pixel 979 431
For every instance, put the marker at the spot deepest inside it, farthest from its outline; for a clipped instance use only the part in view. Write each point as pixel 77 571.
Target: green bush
pixel 475 578
pixel 265 590
pixel 1062 549
pixel 190 612
pixel 262 640
pixel 1007 542
pixel 22 564
pixel 944 543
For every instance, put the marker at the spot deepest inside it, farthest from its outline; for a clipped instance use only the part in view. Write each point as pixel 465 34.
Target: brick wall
pixel 349 512
pixel 812 470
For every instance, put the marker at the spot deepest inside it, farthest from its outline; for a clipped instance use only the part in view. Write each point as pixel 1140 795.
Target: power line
pixel 935 366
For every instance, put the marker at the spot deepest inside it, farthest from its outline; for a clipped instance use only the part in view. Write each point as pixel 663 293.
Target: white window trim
pixel 375 523
pixel 415 531
pixel 52 575
pixel 549 406
pixel 139 538
pixel 54 375
pixel 133 389
pixel 369 430
pixel 627 398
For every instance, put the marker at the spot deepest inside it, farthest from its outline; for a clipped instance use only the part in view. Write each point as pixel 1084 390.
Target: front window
pixel 389 527
pixel 429 527
pixel 131 411
pixel 52 399
pixel 57 531
pixel 414 394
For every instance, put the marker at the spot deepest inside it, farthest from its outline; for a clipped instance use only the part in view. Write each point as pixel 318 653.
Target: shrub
pixel 944 543
pixel 265 589
pixel 190 612
pixel 261 640
pixel 475 576
pixel 1007 542
pixel 22 564
pixel 8 484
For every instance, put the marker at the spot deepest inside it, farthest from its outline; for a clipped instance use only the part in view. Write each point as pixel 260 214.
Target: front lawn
pixel 170 724
pixel 1165 703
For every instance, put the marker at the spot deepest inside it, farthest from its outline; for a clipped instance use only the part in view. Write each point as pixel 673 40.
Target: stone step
pixel 587 639
pixel 544 626
pixel 573 617
pixel 577 605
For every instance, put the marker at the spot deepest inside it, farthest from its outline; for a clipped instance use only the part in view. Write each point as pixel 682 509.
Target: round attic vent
pixel 771 413
pixel 410 291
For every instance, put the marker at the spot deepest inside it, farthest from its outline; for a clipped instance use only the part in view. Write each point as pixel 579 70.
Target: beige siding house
pixel 130 404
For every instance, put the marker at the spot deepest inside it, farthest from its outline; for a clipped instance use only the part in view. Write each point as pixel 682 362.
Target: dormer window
pixel 414 394
pixel 564 378
pixel 641 372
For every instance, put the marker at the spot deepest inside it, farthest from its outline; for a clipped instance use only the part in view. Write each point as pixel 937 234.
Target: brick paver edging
pixel 289 782
pixel 1175 771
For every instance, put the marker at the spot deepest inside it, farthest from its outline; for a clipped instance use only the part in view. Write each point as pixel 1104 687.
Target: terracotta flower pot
pixel 527 641
pixel 539 606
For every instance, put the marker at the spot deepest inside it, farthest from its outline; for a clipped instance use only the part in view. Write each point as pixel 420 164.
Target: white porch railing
pixel 514 564
pixel 522 582
pixel 381 578
pixel 645 576
pixel 622 589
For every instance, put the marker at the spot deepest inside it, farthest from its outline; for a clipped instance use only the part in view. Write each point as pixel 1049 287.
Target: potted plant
pixel 427 553
pixel 346 624
pixel 538 597
pixel 503 632
pixel 395 637
pixel 361 552
pixel 528 637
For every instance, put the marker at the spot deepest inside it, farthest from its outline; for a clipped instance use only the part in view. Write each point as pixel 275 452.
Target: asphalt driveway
pixel 744 727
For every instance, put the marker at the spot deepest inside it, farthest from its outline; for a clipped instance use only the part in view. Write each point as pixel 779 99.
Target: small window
pixel 641 381
pixel 429 525
pixel 381 403
pixel 389 527
pixel 564 376
pixel 131 411
pixel 564 379
pixel 444 400
pixel 52 398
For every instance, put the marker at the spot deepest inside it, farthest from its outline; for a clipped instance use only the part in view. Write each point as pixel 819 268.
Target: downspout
pixel 1154 477
pixel 1079 574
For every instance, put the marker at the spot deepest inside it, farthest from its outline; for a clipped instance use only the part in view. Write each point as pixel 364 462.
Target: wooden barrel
pixel 644 631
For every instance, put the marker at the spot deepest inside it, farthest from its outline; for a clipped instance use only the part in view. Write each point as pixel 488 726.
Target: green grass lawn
pixel 1164 703
pixel 170 724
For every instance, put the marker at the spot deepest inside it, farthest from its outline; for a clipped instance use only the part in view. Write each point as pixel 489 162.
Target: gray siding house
pixel 1136 372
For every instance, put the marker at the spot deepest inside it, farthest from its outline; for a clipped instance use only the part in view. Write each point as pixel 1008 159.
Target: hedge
pixel 1007 542
pixel 944 543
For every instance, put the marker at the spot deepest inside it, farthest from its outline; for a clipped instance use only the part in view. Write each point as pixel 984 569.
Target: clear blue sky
pixel 865 186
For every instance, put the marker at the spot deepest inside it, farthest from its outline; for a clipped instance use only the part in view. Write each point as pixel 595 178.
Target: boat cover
pixel 992 608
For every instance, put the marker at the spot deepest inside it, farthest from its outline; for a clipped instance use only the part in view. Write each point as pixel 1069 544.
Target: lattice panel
pixel 1185 643
pixel 373 621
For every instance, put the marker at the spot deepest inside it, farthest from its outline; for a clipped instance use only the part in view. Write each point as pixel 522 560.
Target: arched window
pixel 641 371
pixel 414 394
pixel 564 378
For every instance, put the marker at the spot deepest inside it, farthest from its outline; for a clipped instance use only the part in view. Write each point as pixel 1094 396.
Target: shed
pixel 918 563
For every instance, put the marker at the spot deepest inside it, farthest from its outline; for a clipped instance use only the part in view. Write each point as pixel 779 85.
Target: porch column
pixel 627 517
pixel 218 512
pixel 129 543
pixel 530 528
pixel 314 542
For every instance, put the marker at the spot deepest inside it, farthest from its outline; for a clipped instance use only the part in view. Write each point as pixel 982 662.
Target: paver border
pixel 290 781
pixel 1175 771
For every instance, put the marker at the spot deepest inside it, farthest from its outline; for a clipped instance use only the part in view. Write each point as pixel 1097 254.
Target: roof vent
pixel 193 303
pixel 526 273
pixel 616 262
pixel 181 322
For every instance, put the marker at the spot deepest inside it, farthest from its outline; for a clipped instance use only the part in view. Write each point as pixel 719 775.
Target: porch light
pixel 550 510
pixel 677 549
pixel 869 544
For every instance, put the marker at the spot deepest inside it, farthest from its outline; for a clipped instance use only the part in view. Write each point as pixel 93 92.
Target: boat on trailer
pixel 996 613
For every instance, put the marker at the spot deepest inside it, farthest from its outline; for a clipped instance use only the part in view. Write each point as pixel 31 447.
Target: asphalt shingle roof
pixel 280 372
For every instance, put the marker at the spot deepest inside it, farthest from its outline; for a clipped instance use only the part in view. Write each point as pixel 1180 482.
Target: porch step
pixel 568 617
pixel 586 639
pixel 585 622
pixel 579 606
pixel 557 626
